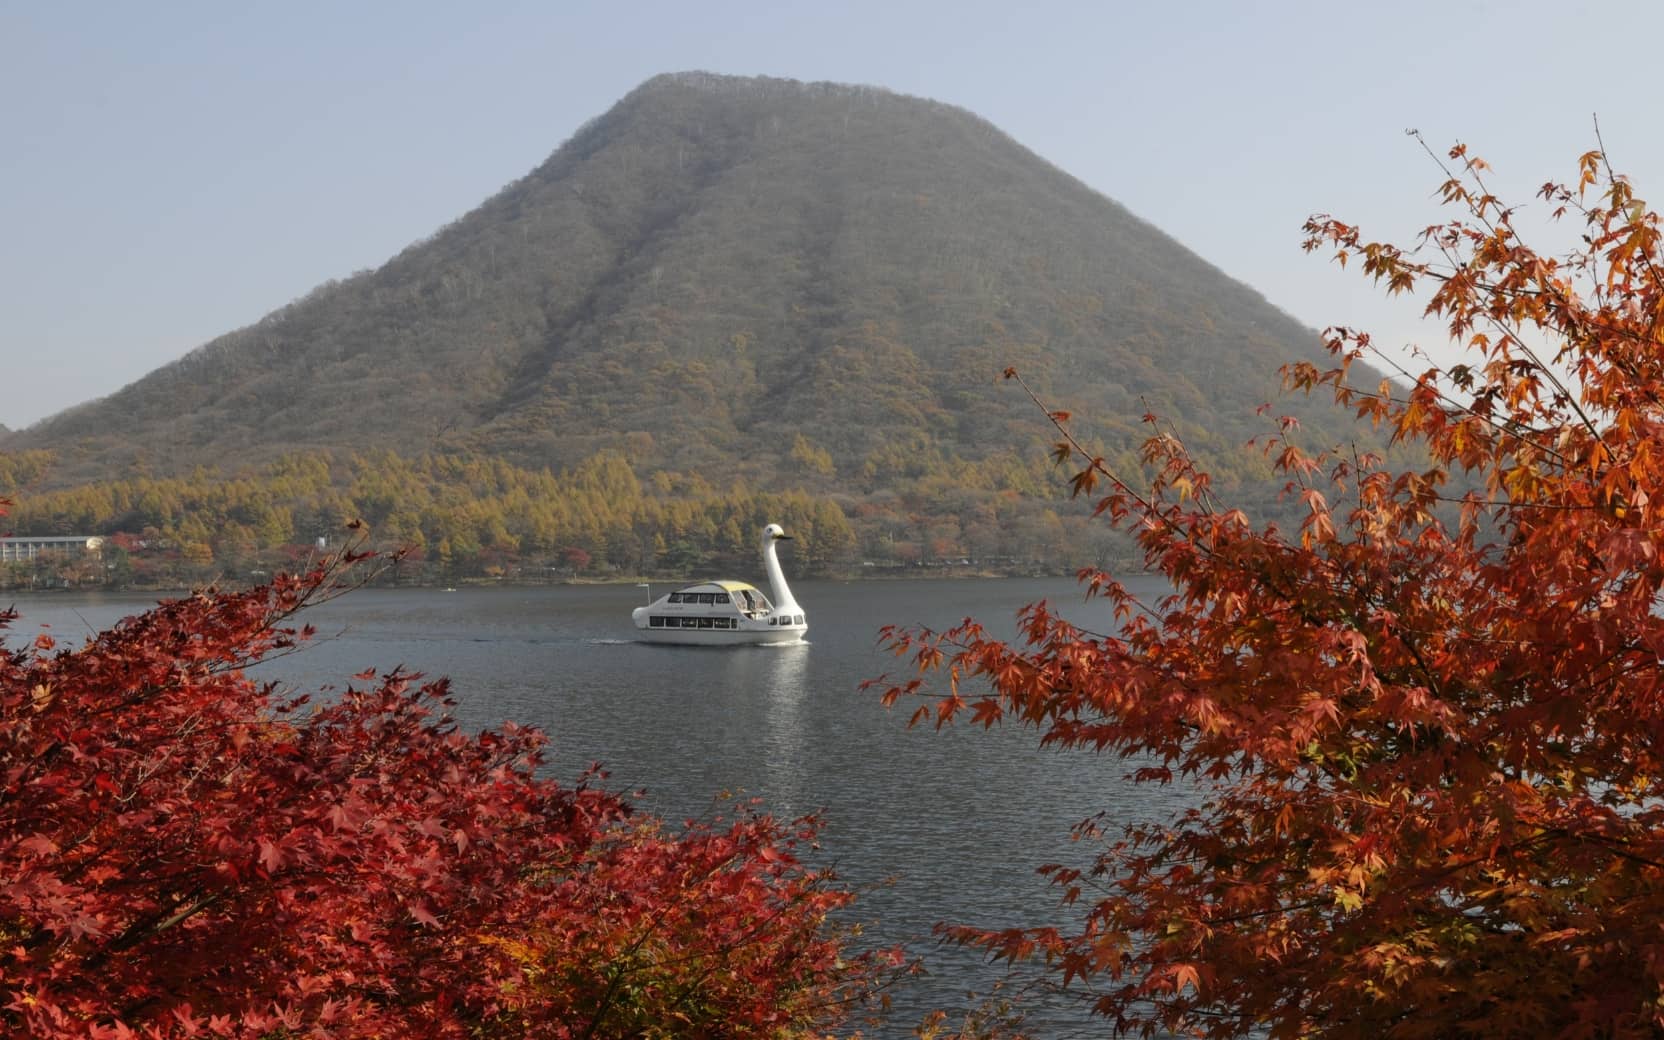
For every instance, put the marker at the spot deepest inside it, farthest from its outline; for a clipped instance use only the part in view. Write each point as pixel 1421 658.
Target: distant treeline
pixel 472 516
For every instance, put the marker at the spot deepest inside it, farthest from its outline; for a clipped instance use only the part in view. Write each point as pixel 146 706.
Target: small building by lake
pixel 24 548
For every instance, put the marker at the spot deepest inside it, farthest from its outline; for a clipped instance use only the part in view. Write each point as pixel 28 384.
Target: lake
pixel 957 820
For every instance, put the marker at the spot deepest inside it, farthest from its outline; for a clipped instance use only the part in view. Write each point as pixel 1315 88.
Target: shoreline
pixel 887 574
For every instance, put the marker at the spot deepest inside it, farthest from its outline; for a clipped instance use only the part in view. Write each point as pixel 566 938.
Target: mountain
pixel 721 288
pixel 792 285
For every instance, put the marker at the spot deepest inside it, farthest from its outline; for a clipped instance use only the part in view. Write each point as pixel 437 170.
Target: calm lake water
pixel 958 820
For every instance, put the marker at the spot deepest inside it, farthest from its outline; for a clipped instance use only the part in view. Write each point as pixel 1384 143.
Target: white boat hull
pixel 722 637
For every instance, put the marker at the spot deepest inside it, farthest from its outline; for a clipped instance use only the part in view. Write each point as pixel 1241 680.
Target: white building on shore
pixel 24 548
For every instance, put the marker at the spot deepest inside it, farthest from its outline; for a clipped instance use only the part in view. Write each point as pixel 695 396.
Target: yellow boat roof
pixel 725 586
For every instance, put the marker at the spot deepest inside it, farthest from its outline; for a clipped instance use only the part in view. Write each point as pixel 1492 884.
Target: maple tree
pixel 1426 729
pixel 186 852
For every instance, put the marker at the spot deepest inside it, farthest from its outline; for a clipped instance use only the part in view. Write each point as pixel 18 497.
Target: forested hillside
pixel 803 288
pixel 460 517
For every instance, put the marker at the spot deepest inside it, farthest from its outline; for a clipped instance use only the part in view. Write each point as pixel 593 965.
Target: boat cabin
pixel 715 605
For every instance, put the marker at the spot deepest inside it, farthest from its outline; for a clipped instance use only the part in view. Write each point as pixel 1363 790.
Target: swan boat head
pixel 774 534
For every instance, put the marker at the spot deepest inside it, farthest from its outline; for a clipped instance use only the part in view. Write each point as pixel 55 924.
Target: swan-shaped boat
pixel 725 613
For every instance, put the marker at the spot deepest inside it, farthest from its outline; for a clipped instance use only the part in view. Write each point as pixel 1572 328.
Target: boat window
pixel 797 620
pixel 722 597
pixel 675 597
pixel 705 622
pixel 655 622
pixel 707 597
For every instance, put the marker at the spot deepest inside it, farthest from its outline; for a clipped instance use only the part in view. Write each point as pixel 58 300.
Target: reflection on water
pixel 784 675
pixel 959 819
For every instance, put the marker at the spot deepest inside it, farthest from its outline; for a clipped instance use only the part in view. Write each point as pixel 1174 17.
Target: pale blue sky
pixel 172 171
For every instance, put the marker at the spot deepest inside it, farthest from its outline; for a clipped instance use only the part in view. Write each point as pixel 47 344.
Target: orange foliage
pixel 1426 729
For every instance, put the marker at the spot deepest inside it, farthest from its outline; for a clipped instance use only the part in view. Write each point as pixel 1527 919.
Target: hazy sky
pixel 172 171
